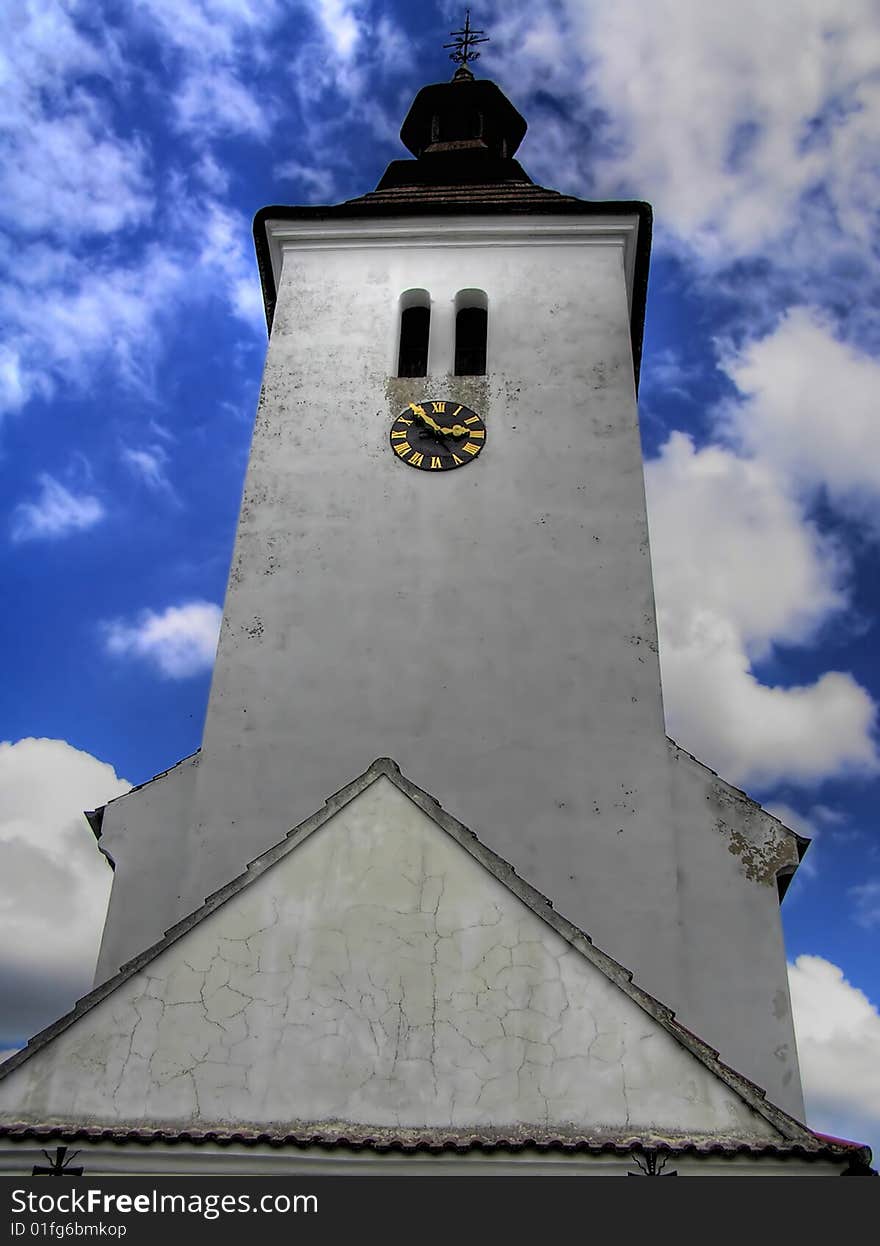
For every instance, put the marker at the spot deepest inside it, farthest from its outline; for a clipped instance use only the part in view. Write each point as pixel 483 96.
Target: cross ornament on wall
pixel 59 1165
pixel 653 1165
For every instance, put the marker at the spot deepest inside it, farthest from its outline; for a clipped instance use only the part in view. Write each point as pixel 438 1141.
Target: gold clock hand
pixel 457 430
pixel 429 422
pixel 421 415
pixel 424 418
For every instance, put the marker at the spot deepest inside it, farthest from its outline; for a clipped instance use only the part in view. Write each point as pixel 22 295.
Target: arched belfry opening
pixel 471 332
pixel 415 332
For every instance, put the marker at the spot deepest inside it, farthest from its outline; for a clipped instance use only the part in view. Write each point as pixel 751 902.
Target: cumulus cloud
pixel 180 641
pixel 735 546
pixel 731 119
pixel 838 1037
pixel 738 114
pixel 738 568
pixel 750 128
pixel 55 881
pixel 56 512
pixel 808 404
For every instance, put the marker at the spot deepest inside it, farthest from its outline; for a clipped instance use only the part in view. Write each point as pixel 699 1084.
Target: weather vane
pixel 464 41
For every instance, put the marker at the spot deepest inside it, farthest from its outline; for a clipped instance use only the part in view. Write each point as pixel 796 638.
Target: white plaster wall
pixel 492 628
pixel 377 974
pixel 144 834
pixel 737 996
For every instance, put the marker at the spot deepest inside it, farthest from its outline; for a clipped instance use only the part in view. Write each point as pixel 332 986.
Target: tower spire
pixel 463 46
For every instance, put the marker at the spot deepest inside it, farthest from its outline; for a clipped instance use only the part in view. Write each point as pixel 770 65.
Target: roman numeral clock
pixel 437 436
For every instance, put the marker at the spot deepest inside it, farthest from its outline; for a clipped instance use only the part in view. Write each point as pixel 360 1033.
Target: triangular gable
pixel 380 967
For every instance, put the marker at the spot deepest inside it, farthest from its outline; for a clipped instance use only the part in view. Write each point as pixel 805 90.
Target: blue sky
pixel 136 143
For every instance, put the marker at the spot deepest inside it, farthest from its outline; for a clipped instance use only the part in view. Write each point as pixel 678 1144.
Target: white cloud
pixel 214 101
pixel 755 734
pixel 181 641
pixel 867 901
pixel 215 30
pixel 827 816
pixel 809 405
pixel 148 464
pixel 218 43
pixel 339 22
pixel 729 118
pixel 313 185
pixel 737 568
pixel 55 882
pixel 347 57
pixel 90 313
pixel 838 1037
pixel 669 373
pixel 87 314
pixel 225 253
pixel 733 545
pixel 55 513
pixel 69 176
pixel 63 170
pixel 16 386
pixel 211 174
pixel 59 175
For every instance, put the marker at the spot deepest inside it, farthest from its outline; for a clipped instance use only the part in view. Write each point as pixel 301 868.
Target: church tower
pixel 442 563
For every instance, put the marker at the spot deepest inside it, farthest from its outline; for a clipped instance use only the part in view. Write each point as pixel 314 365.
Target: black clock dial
pixel 437 435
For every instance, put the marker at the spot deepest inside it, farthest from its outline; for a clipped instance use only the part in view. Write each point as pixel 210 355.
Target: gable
pixel 376 973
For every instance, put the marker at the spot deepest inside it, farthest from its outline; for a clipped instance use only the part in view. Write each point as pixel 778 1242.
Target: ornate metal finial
pixel 464 41
pixel 653 1165
pixel 59 1165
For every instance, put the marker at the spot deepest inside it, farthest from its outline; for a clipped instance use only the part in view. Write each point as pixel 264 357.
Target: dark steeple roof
pixel 463 131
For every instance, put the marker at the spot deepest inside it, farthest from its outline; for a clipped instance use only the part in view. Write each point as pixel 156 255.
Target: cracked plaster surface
pixel 376 974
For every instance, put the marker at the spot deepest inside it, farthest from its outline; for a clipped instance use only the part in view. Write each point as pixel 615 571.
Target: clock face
pixel 437 435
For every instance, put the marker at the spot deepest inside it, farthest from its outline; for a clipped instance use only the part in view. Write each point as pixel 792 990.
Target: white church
pixel 437 894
